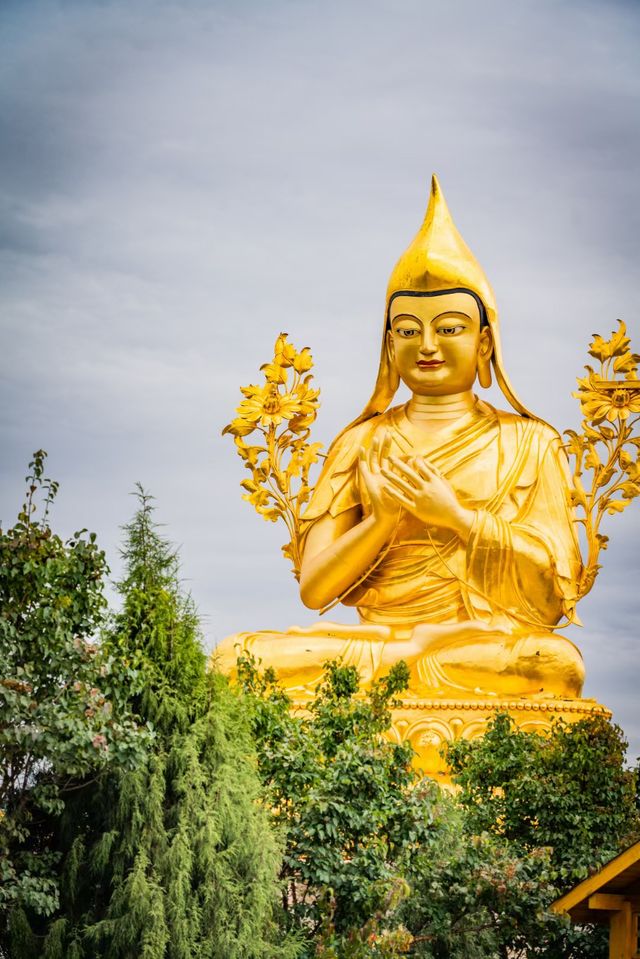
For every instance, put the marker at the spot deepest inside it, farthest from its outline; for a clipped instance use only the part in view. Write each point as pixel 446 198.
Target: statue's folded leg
pixel 444 659
pixel 298 655
pixel 476 657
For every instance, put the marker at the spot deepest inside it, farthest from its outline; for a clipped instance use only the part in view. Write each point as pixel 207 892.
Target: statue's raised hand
pixel 425 493
pixel 373 467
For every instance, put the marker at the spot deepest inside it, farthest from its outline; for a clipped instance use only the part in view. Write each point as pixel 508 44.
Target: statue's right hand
pixel 370 466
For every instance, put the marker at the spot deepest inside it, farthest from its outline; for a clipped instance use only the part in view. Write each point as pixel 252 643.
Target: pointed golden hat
pixel 438 260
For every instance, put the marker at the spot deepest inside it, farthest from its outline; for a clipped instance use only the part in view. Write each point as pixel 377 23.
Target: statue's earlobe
pixel 484 359
pixel 484 371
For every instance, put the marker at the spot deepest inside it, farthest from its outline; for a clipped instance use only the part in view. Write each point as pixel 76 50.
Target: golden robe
pixel 474 617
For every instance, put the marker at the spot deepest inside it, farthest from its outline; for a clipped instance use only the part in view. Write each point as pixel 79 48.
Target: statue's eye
pixel 450 330
pixel 407 333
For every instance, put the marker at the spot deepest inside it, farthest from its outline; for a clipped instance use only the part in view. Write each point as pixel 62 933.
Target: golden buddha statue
pixel 447 523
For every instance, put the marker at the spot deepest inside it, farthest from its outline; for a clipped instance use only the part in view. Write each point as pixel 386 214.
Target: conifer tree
pixel 176 859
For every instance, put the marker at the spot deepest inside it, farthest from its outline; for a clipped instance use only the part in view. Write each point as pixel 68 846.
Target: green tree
pixel 63 712
pixel 346 800
pixel 175 859
pixel 569 791
pixel 377 864
pixel 533 816
pixel 474 897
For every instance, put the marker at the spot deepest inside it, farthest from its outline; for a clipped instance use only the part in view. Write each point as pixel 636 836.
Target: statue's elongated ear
pixel 485 351
pixel 390 348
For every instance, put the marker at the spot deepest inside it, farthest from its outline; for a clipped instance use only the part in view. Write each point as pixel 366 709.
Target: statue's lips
pixel 430 364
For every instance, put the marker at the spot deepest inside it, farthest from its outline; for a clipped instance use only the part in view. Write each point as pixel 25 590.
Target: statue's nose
pixel 428 344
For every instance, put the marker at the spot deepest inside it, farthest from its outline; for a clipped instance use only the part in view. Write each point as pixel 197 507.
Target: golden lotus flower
pixel 601 400
pixel 267 405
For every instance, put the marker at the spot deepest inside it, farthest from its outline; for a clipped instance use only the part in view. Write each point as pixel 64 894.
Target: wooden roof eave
pixel 614 877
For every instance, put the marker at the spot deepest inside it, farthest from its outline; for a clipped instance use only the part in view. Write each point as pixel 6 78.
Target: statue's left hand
pixel 425 493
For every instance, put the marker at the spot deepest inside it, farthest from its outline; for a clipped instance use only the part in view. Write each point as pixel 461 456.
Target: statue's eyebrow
pixel 406 316
pixel 452 313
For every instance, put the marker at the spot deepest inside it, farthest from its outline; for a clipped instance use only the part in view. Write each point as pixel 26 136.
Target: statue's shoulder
pixel 527 427
pixel 345 448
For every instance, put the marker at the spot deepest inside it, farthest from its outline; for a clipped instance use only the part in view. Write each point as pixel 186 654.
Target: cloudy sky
pixel 180 181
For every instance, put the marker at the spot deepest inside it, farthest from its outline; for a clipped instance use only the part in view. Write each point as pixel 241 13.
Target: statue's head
pixel 438 343
pixel 438 293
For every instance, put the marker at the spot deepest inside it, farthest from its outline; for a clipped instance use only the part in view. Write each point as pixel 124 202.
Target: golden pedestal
pixel 430 723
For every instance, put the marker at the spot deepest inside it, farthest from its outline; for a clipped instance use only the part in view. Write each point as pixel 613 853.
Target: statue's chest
pixel 471 463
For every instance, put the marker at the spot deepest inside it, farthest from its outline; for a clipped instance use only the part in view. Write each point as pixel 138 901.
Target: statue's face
pixel 435 340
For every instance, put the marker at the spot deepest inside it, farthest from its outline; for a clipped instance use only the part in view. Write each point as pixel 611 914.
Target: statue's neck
pixel 424 409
